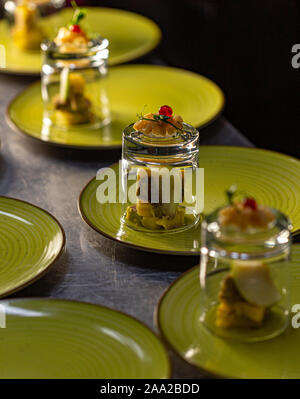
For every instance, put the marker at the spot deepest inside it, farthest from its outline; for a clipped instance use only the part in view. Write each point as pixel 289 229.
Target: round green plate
pixel 30 242
pixel 50 338
pixel 270 177
pixel 130 36
pixel 129 88
pixel 178 315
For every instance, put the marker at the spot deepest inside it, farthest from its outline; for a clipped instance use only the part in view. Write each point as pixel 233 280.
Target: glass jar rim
pixel 94 45
pixel 281 223
pixel 189 136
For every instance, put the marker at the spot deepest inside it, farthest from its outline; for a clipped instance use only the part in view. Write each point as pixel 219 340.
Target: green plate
pixel 50 338
pixel 129 89
pixel 30 242
pixel 178 321
pixel 270 177
pixel 130 36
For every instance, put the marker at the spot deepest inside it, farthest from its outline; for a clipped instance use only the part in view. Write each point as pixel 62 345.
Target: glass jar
pixel 258 265
pixel 73 86
pixel 44 7
pixel 159 181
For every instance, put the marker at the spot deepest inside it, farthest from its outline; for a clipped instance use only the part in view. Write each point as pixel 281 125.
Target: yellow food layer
pixel 66 118
pixel 71 42
pixel 239 314
pixel 153 127
pixel 244 218
pixel 150 221
pixel 26 33
pixel 145 209
pixel 26 15
pixel 77 83
pixel 27 39
pixel 76 108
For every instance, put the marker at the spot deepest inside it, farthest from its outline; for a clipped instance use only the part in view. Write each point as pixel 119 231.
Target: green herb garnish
pixel 232 193
pixel 79 14
pixel 161 118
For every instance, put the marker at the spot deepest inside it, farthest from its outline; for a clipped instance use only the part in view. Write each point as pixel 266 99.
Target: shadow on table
pixel 6 175
pixel 67 154
pixel 123 254
pixel 219 132
pixel 184 370
pixel 15 79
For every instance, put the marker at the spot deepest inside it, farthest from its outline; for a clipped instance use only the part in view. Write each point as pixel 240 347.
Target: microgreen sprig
pixel 230 193
pixel 79 14
pixel 233 192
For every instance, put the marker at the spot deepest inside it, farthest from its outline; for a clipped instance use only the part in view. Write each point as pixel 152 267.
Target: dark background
pixel 245 47
pixel 242 45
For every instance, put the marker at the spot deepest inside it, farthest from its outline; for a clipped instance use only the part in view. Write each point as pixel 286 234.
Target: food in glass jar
pixel 245 215
pixel 159 124
pixel 248 291
pixel 26 32
pixel 72 38
pixel 155 215
pixel 150 210
pixel 71 105
pixel 245 295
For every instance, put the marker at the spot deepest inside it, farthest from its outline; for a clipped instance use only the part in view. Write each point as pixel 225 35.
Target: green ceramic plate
pixel 49 338
pixel 129 89
pixel 130 36
pixel 30 242
pixel 277 184
pixel 178 320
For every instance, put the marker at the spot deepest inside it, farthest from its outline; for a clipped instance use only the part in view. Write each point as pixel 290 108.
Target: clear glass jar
pixel 159 174
pixel 258 264
pixel 73 86
pixel 44 7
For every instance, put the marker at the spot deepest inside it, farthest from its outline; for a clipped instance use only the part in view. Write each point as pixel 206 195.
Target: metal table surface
pixel 93 268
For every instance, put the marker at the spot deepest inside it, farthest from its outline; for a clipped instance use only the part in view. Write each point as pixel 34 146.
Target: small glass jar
pixel 73 86
pixel 258 263
pixel 159 175
pixel 44 7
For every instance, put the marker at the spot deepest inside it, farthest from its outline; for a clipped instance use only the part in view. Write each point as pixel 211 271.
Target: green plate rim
pixel 17 129
pixel 163 337
pixel 134 54
pixel 96 305
pixel 43 272
pixel 169 345
pixel 167 252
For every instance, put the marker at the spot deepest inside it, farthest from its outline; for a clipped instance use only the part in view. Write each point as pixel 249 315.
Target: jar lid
pixel 231 242
pixel 96 47
pixel 188 136
pixel 177 149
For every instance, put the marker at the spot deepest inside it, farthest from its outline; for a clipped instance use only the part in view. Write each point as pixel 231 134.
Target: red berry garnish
pixel 251 203
pixel 165 110
pixel 75 28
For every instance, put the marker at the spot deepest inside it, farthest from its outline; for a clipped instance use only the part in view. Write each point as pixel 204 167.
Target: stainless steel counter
pixel 93 268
